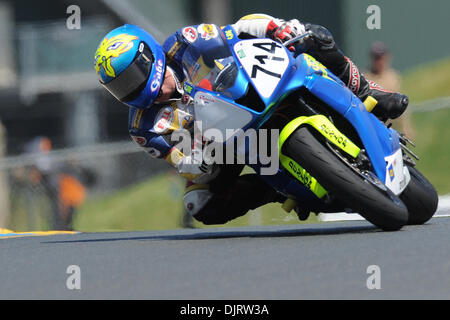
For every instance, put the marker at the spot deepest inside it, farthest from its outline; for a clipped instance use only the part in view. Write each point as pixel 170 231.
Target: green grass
pixel 32 211
pixel 428 81
pixel 154 204
pixel 433 147
pixel 157 203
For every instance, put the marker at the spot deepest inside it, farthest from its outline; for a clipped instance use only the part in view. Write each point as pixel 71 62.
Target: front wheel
pixel 420 197
pixel 381 208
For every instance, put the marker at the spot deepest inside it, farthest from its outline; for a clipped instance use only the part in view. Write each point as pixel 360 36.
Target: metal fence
pixel 43 189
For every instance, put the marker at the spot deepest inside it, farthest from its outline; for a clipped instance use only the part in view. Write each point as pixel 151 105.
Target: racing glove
pixel 196 167
pixel 197 173
pixel 285 32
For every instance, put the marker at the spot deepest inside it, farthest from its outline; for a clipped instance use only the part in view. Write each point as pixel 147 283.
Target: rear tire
pixel 420 197
pixel 383 209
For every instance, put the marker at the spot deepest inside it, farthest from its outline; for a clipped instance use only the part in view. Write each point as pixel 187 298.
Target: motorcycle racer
pixel 149 78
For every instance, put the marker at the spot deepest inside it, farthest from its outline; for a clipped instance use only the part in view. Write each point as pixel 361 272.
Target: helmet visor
pixel 133 80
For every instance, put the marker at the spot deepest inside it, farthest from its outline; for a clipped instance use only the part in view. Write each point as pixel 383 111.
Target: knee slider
pixel 195 198
pixel 210 213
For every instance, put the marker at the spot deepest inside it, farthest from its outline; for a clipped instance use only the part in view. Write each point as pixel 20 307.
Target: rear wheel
pixel 380 207
pixel 420 197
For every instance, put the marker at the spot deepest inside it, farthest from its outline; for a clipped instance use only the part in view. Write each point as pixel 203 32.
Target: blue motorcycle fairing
pixel 379 141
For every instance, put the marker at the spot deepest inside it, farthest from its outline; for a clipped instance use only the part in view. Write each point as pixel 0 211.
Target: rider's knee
pixel 201 204
pixel 196 198
pixel 210 217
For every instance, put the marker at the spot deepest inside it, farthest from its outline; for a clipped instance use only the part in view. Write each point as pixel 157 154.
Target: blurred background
pixel 66 160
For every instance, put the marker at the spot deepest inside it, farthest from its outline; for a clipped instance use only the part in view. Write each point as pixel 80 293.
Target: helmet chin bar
pixel 175 92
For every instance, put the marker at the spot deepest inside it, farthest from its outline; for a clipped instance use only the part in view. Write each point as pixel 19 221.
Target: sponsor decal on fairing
pixel 190 34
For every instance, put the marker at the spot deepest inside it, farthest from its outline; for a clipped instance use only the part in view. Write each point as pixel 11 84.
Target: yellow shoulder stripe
pixel 137 118
pixel 256 16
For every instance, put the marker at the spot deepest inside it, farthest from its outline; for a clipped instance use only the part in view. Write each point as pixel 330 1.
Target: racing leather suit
pixel 220 194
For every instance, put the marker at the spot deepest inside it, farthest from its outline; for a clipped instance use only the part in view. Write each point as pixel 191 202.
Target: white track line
pixel 443 211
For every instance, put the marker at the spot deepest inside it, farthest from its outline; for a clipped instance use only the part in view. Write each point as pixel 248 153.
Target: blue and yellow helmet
pixel 131 65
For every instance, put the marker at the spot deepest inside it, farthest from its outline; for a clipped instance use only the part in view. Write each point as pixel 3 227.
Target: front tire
pixel 420 197
pixel 383 209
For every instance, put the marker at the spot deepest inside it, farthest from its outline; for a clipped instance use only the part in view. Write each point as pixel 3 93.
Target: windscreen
pixel 210 65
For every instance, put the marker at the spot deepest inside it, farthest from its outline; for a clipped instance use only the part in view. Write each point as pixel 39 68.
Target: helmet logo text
pixel 156 83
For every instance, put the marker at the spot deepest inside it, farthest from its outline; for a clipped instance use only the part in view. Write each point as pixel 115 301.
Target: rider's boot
pixel 322 46
pixel 391 105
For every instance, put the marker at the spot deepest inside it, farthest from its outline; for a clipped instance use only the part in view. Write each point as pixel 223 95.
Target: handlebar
pixel 297 38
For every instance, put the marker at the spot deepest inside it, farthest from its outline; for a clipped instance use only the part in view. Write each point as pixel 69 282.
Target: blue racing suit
pixel 151 128
pixel 221 195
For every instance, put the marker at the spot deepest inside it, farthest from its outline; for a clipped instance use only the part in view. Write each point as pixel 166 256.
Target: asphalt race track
pixel 323 261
